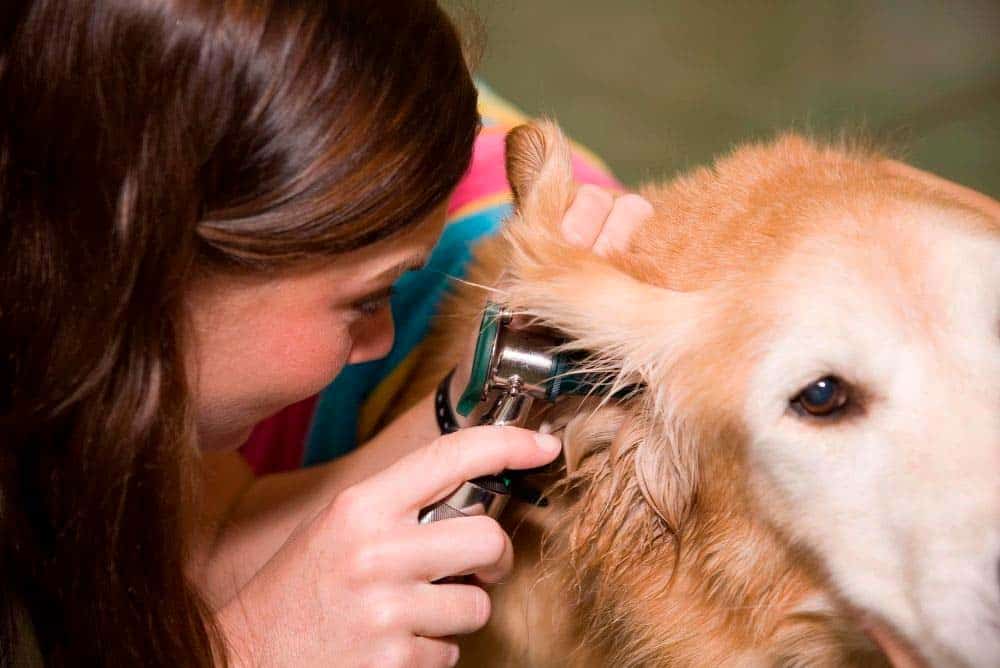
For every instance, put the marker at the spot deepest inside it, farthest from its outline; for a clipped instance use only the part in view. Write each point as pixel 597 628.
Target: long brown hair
pixel 141 142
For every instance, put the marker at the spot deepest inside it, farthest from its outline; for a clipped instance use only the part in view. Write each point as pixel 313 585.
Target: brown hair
pixel 139 143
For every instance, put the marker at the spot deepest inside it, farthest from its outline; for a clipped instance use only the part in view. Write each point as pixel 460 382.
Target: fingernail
pixel 548 443
pixel 453 660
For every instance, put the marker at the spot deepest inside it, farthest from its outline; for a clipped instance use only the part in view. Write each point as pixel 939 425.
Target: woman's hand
pixel 602 222
pixel 352 587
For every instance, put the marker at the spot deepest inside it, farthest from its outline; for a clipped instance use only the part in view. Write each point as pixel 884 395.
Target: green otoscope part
pixel 554 369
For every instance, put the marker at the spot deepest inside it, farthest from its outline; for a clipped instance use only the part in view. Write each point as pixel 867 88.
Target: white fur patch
pixel 902 502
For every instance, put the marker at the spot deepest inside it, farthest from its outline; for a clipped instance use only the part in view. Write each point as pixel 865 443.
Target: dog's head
pixel 819 334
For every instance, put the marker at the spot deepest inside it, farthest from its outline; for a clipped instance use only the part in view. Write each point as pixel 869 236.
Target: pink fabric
pixel 277 443
pixel 487 174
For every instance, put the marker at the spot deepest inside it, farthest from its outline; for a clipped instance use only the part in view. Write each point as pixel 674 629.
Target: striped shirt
pixel 347 411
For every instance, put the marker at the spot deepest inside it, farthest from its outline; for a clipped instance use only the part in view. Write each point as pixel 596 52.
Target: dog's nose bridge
pixel 998 583
pixel 954 449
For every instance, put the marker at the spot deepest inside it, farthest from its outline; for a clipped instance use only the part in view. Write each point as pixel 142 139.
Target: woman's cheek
pixel 321 369
pixel 306 361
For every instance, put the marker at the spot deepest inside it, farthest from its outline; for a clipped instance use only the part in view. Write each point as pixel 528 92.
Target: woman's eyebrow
pixel 411 263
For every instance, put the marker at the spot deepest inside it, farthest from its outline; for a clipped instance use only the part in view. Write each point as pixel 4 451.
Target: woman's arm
pixel 354 584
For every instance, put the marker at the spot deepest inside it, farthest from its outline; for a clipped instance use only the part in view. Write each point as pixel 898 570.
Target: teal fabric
pixel 335 423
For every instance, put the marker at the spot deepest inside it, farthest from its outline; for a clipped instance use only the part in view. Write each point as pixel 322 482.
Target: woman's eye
pixel 822 398
pixel 372 305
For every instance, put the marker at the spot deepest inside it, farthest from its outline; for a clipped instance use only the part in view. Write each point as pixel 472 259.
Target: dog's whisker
pixel 473 284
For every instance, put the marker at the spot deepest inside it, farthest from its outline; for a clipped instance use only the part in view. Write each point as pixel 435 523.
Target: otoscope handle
pixel 482 496
pixel 486 495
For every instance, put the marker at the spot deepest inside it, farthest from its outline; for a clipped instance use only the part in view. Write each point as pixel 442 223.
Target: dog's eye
pixel 822 398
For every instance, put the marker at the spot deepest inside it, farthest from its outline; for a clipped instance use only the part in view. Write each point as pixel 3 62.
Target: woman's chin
pixel 223 440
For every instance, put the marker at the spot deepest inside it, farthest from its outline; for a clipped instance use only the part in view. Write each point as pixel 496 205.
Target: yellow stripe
pixel 506 116
pixel 498 110
pixel 481 204
pixel 590 157
pixel 379 400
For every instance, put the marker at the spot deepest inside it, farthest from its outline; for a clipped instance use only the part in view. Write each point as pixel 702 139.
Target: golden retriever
pixel 817 445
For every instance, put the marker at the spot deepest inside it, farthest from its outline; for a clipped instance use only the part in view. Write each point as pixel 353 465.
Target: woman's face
pixel 261 344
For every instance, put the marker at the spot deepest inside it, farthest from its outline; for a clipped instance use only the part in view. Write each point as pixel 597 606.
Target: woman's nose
pixel 372 339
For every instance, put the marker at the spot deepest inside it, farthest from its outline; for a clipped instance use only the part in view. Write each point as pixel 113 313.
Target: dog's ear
pixel 630 326
pixel 630 329
pixel 525 155
pixel 587 427
pixel 540 170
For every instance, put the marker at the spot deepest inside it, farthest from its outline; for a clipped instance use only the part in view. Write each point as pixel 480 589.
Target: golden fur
pixel 653 552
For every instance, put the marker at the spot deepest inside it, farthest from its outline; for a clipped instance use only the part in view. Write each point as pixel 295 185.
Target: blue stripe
pixel 335 423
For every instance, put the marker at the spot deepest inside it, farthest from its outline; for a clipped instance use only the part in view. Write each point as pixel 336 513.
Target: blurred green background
pixel 655 86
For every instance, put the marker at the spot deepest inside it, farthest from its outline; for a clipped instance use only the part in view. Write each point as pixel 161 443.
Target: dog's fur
pixel 705 522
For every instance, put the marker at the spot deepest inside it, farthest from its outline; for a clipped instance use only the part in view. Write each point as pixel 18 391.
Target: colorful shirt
pixel 348 410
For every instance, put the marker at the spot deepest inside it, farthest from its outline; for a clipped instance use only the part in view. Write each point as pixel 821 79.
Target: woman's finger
pixel 461 546
pixel 442 610
pixel 419 652
pixel 584 220
pixel 430 473
pixel 628 212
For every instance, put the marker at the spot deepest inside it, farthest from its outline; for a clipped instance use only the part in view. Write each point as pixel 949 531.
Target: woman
pixel 205 204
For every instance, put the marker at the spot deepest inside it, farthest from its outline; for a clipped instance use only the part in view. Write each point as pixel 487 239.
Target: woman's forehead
pixel 415 242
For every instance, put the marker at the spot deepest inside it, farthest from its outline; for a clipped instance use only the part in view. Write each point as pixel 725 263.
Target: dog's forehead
pixel 916 268
pixel 869 237
pixel 753 208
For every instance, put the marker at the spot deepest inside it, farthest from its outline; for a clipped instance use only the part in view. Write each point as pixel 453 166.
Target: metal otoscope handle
pixel 487 495
pixel 512 366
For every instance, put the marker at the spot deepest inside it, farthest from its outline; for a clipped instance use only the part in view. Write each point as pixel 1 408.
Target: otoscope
pixel 512 367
